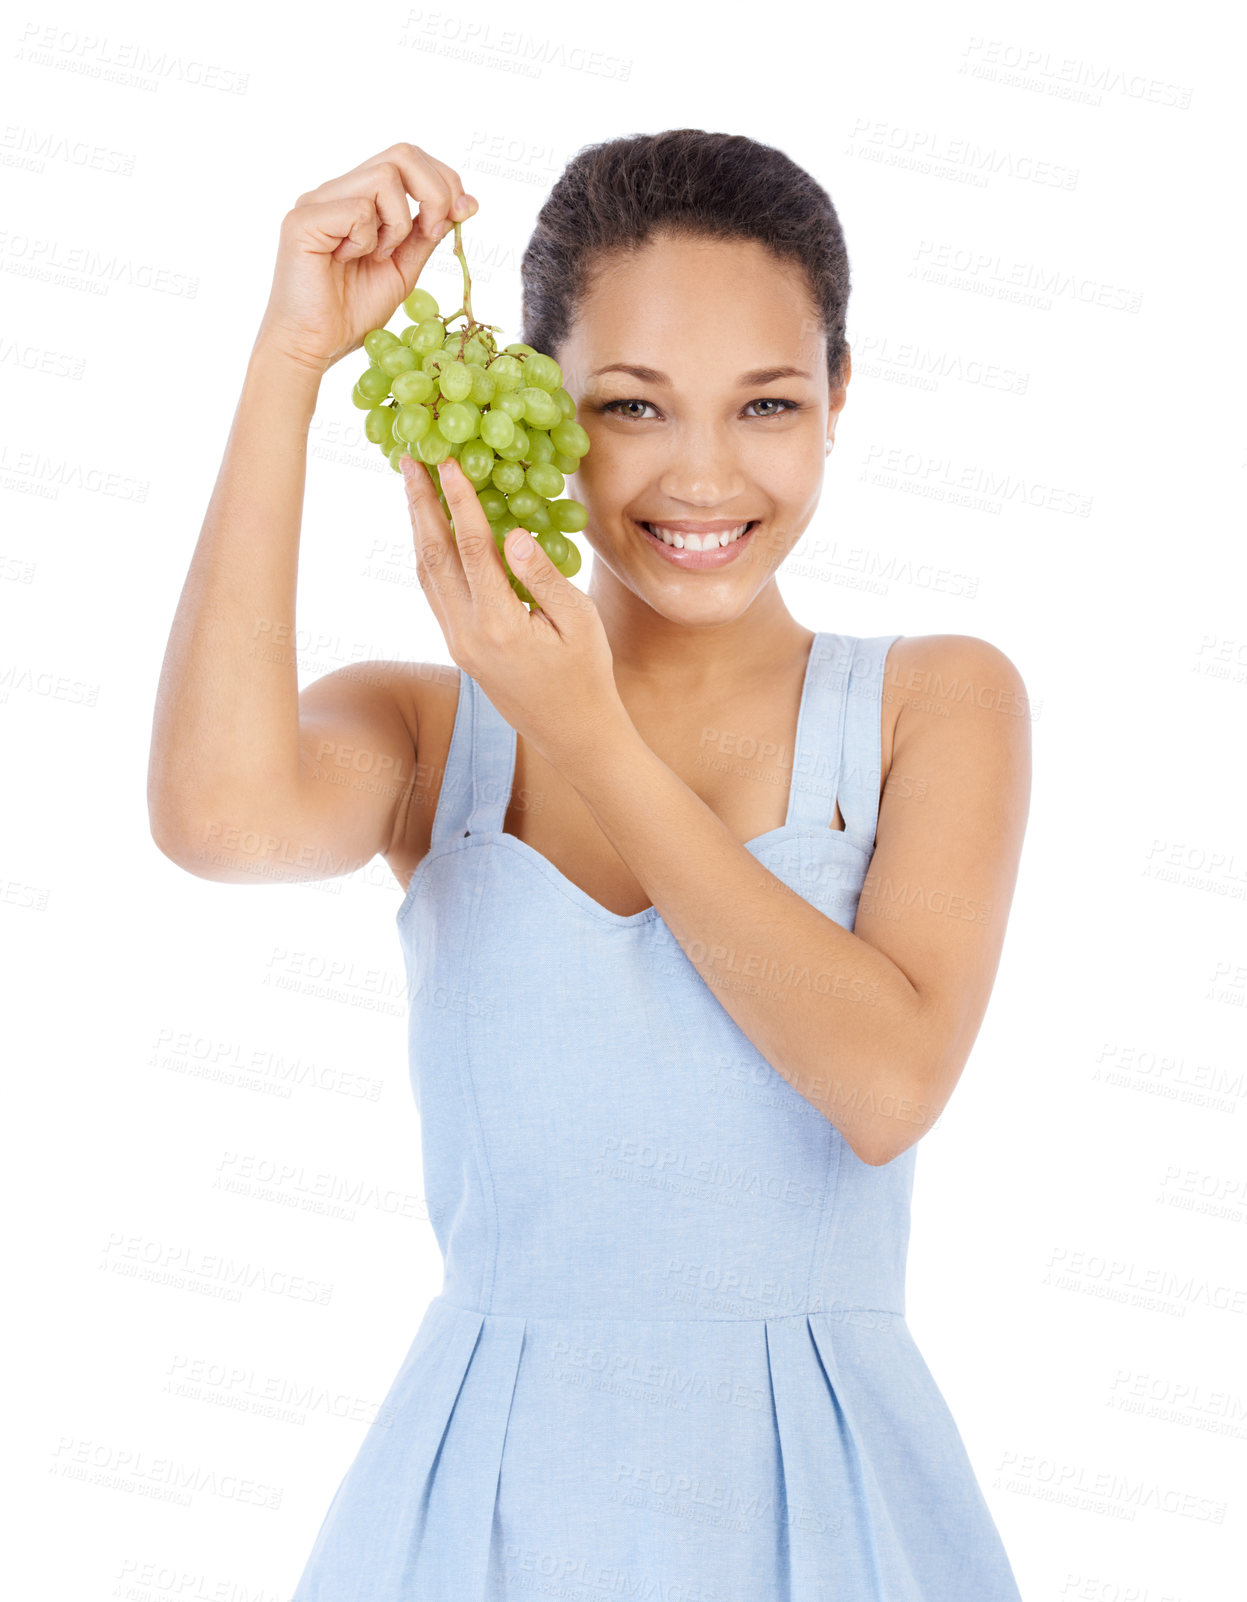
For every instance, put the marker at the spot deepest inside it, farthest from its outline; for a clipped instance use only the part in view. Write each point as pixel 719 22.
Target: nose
pixel 703 471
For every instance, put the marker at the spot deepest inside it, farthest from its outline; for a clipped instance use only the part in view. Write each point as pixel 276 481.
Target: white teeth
pixel 696 542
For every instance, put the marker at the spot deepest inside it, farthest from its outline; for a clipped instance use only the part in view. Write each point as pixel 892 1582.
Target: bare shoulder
pixel 426 695
pixel 364 728
pixel 930 672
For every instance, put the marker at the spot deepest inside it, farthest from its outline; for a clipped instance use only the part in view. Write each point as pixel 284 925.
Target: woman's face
pixel 708 434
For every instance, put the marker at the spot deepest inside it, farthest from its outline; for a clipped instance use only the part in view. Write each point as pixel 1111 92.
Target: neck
pixel 690 656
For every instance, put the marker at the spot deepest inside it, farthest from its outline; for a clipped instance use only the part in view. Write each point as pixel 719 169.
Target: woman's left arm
pixel 872 1027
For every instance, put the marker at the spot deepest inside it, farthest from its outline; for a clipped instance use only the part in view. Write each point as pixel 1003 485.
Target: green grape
pixel 482 385
pixel 517 450
pixel 412 423
pixel 570 516
pixel 540 446
pixel 375 384
pixel 396 454
pixel 555 547
pixel 565 401
pixel 455 381
pixel 476 351
pixel 493 503
pixel 565 464
pixel 545 480
pixel 435 360
pixel 420 305
pixel 540 521
pixel 477 461
pixel 572 566
pixel 412 386
pixel 434 447
pixel 458 421
pixel 519 349
pixel 397 359
pixel 409 333
pixel 510 403
pixel 362 401
pixel 508 476
pixel 428 335
pixel 378 339
pixel 543 372
pixel 379 425
pixel 540 408
pixel 508 372
pixel 522 503
pixel 570 438
pixel 497 429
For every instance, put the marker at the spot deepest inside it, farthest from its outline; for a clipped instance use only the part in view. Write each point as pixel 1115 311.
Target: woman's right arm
pixel 245 779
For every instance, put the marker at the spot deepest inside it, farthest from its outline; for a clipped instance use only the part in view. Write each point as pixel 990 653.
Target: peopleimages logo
pixel 125 62
pixel 1067 77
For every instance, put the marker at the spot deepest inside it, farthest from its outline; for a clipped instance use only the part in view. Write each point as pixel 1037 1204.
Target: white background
pixel 1043 447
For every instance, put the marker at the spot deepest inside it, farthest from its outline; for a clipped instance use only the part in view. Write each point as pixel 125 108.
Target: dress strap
pixel 480 763
pixel 820 733
pixel 862 762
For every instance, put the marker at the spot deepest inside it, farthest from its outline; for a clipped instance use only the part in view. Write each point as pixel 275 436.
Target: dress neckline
pixel 838 705
pixel 792 822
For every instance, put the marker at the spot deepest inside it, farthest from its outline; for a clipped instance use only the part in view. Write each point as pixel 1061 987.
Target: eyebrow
pixel 650 375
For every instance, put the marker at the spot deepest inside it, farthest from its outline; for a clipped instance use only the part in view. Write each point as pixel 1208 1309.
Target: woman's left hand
pixel 549 673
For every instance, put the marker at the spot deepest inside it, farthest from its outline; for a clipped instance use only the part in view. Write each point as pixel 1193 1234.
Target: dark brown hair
pixel 614 196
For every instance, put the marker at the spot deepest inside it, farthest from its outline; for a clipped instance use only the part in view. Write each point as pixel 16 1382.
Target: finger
pixel 411 255
pixel 343 228
pixel 478 551
pixel 438 566
pixel 458 203
pixel 390 195
pixel 556 595
pixel 406 169
pixel 532 567
pixel 381 187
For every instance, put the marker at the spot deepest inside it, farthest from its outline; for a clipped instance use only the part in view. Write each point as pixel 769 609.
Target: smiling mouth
pixel 713 541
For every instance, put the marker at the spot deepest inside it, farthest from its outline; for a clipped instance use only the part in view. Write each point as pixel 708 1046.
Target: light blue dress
pixel 669 1358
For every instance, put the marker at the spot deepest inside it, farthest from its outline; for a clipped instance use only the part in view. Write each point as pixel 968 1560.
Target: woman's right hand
pixel 349 252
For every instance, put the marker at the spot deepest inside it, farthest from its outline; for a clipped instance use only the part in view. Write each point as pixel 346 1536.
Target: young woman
pixel 702 914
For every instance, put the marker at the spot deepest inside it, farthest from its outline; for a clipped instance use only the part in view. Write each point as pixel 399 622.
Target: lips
pixel 691 561
pixel 707 537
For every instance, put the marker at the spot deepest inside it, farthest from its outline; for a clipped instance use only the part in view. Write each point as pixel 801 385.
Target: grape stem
pixel 466 309
pixel 467 282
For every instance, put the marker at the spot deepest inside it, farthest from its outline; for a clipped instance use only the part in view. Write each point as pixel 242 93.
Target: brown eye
pixel 611 405
pixel 772 400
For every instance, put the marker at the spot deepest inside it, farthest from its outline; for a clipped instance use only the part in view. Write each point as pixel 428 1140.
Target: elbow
pixel 880 1156
pixel 902 1115
pixel 175 838
pixel 169 845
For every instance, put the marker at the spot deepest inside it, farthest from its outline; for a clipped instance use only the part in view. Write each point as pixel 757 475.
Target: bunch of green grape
pixel 434 391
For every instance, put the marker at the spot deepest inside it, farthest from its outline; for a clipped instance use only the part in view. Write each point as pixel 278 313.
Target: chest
pixel 745 784
pixel 739 760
